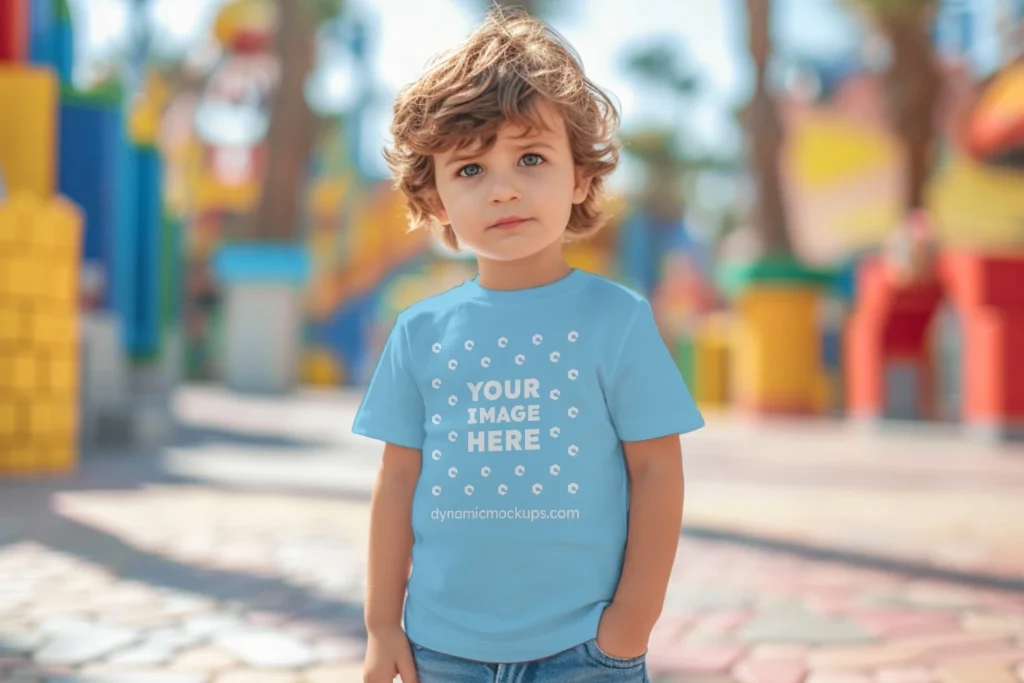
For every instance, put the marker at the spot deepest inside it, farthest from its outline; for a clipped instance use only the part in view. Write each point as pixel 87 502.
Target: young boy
pixel 532 477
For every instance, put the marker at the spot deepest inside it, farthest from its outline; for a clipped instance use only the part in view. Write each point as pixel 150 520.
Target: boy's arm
pixel 655 517
pixel 390 548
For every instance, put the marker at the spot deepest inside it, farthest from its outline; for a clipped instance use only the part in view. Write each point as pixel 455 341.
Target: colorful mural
pixel 842 166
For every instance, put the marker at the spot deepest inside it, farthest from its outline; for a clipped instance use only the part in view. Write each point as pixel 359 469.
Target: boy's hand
pixel 621 635
pixel 388 654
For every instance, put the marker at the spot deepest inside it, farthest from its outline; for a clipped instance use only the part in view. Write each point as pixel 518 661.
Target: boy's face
pixel 514 200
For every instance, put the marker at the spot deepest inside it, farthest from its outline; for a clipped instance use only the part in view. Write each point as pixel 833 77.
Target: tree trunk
pixel 914 86
pixel 290 138
pixel 765 137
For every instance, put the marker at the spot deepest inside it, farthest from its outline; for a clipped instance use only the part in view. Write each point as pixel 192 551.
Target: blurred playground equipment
pixel 117 198
pixel 88 276
pixel 885 345
pixel 365 264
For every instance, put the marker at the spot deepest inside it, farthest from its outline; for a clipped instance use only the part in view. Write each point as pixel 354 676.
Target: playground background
pixel 195 193
pixel 201 255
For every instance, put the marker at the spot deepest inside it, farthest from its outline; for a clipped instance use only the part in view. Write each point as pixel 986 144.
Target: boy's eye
pixel 532 159
pixel 470 170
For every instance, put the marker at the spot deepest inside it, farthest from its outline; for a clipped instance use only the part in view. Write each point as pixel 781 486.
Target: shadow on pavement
pixel 194 435
pixel 29 513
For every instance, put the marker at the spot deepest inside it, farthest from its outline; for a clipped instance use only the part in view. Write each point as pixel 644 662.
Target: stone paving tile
pixel 870 656
pixel 803 627
pixel 939 595
pixel 139 676
pixel 770 671
pixel 903 651
pixel 40 671
pixel 147 654
pixel 203 659
pixel 995 655
pixel 257 676
pixel 906 623
pixel 20 642
pixel 691 678
pixel 181 604
pixel 339 649
pixel 338 673
pixel 206 625
pixel 267 649
pixel 977 673
pixel 994 646
pixel 309 629
pixel 779 651
pixel 686 599
pixel 670 628
pixel 173 636
pixel 720 623
pixel 1009 624
pixel 695 659
pixel 947 641
pixel 268 619
pixel 83 643
pixel 140 619
pixel 840 677
pixel 905 675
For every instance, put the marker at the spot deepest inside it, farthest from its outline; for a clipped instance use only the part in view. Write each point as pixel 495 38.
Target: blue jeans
pixel 585 663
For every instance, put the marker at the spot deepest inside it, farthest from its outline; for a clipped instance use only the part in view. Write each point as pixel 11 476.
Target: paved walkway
pixel 922 497
pixel 926 497
pixel 237 556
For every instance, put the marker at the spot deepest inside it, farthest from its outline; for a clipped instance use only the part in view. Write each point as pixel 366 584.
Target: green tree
pixel 662 65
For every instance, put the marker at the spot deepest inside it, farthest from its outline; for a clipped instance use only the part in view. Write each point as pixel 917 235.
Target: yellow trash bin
pixel 776 338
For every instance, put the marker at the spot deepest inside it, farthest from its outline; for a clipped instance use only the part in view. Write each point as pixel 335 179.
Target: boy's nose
pixel 502 192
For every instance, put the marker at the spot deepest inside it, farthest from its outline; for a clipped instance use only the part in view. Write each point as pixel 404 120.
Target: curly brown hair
pixel 493 78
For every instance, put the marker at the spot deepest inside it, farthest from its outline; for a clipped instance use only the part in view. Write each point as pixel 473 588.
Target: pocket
pixel 601 657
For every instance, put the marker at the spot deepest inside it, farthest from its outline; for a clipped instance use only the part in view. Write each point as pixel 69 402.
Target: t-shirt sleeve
pixel 648 396
pixel 392 407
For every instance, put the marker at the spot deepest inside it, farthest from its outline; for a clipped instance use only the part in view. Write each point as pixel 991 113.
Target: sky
pixel 408 32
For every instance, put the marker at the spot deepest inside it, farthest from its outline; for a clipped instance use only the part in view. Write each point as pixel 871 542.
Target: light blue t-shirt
pixel 518 401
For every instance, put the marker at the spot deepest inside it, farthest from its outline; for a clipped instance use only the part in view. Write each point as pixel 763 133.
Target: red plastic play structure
pixel 14 21
pixel 891 326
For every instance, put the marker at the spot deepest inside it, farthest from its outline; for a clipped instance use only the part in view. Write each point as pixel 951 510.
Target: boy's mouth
pixel 508 222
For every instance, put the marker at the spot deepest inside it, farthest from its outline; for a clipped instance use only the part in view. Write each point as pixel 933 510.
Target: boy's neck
pixel 542 268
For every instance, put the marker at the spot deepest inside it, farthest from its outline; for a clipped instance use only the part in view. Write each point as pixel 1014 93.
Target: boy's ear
pixel 582 186
pixel 436 207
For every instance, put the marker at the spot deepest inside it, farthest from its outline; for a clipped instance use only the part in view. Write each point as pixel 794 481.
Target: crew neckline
pixel 566 283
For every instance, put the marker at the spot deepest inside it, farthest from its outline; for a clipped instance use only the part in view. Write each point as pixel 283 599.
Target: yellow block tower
pixel 39 247
pixel 40 234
